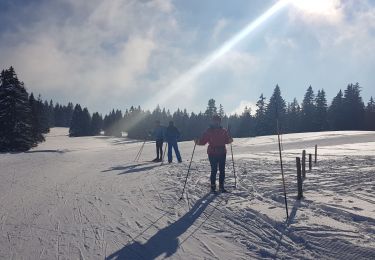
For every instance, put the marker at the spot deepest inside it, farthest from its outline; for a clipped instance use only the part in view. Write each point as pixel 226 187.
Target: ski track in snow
pixel 86 198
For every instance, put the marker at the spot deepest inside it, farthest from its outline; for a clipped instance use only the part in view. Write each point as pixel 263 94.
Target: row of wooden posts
pixel 301 170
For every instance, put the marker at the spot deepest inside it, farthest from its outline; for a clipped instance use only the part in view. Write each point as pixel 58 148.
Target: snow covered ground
pixel 85 198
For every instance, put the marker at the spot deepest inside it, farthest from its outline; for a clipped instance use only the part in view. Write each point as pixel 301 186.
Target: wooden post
pixel 310 162
pixel 299 178
pixel 303 163
pixel 316 153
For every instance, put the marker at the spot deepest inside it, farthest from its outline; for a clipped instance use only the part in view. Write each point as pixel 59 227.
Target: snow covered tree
pixel 16 129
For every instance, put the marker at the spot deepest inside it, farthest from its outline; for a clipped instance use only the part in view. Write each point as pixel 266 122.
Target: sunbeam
pixel 186 80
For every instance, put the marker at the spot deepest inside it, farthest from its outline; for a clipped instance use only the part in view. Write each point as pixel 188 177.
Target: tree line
pixel 347 111
pixel 24 119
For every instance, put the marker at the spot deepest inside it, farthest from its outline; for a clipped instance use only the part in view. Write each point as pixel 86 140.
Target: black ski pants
pixel 159 149
pixel 215 161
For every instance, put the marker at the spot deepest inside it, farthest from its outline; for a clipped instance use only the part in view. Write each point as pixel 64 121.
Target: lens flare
pixel 186 80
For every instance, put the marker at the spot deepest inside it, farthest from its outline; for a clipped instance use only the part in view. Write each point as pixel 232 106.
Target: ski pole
pixel 282 169
pixel 234 168
pixel 165 149
pixel 139 152
pixel 187 175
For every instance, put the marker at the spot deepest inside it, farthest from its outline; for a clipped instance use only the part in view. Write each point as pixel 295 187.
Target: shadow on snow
pixel 139 167
pixel 166 240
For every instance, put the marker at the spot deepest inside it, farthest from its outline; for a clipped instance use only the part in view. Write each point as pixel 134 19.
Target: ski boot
pixel 213 187
pixel 222 189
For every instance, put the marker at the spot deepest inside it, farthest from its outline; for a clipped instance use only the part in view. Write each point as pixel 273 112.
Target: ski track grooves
pixel 96 203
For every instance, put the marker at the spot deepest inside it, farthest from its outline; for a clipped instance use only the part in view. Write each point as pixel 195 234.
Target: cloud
pixel 220 25
pixel 317 11
pixel 237 62
pixel 241 107
pixel 100 49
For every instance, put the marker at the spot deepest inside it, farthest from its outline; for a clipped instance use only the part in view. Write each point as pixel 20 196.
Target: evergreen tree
pixel 51 112
pixel 36 122
pixel 211 108
pixel 221 111
pixel 246 124
pixel 293 117
pixel 353 108
pixel 321 111
pixel 275 111
pixel 336 114
pixel 260 116
pixel 370 115
pixel 308 111
pixel 96 124
pixel 16 129
pixel 86 122
pixel 76 125
pixel 43 115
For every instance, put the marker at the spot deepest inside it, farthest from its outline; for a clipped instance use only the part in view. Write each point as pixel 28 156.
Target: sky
pixel 118 53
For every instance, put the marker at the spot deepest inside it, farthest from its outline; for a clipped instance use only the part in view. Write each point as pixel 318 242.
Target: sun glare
pixel 317 7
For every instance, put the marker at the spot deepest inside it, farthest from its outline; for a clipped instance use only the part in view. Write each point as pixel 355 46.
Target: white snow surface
pixel 86 198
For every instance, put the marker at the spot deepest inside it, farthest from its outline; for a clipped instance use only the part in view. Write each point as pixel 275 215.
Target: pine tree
pixel 260 118
pixel 36 121
pixel 96 124
pixel 336 114
pixel 76 125
pixel 16 130
pixel 353 108
pixel 308 111
pixel 43 115
pixel 293 117
pixel 370 115
pixel 51 112
pixel 211 108
pixel 221 111
pixel 321 111
pixel 275 111
pixel 246 124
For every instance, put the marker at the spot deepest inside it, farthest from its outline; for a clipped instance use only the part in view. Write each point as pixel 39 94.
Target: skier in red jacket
pixel 217 138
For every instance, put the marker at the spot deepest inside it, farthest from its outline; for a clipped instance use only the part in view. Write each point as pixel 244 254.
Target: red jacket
pixel 216 138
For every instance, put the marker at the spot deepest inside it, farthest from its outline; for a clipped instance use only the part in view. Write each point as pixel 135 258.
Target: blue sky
pixel 118 53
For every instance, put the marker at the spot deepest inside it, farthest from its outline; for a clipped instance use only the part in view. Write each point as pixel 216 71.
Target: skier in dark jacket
pixel 217 138
pixel 158 135
pixel 171 136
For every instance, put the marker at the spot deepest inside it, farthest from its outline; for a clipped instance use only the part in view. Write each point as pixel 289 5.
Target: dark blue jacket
pixel 172 134
pixel 158 133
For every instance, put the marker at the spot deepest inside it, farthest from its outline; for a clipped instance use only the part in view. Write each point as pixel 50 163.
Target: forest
pixel 24 118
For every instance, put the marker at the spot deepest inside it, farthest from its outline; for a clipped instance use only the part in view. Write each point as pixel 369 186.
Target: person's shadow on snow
pixel 139 167
pixel 165 241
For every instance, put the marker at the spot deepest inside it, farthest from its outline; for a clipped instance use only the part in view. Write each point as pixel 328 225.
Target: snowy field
pixel 85 198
